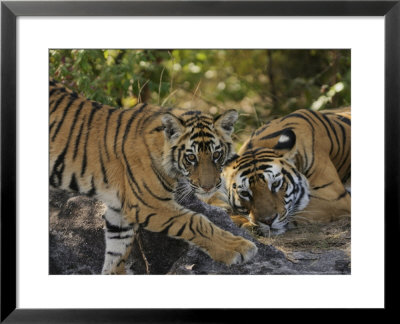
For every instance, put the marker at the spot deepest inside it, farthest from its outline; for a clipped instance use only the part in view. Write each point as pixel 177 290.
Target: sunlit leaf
pixel 129 102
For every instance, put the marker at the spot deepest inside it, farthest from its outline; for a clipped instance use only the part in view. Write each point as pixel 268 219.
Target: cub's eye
pixel 191 157
pixel 234 186
pixel 244 194
pixel 216 155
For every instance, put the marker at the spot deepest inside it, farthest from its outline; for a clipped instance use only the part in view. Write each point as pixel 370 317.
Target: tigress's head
pixel 197 147
pixel 264 185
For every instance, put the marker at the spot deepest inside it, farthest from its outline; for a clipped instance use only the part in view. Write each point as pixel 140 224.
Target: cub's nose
pixel 207 188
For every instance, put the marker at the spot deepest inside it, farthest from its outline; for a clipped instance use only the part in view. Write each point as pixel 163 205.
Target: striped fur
pixel 132 160
pixel 292 169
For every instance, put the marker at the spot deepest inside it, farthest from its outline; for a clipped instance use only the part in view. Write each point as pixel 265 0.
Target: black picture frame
pixel 10 10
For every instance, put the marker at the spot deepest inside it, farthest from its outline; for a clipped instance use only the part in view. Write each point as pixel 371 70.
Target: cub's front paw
pixel 246 249
pixel 239 251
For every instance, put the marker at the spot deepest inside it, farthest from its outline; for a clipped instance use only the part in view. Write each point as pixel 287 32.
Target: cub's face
pixel 197 147
pixel 266 188
pixel 203 170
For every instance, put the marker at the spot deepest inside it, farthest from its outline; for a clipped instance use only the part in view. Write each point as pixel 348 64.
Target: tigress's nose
pixel 269 220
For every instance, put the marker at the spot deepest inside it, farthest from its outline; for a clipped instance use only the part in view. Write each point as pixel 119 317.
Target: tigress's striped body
pixel 132 160
pixel 293 168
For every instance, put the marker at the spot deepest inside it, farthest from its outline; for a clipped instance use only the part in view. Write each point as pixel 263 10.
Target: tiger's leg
pixel 119 236
pixel 239 220
pixel 244 222
pixel 195 228
pixel 329 202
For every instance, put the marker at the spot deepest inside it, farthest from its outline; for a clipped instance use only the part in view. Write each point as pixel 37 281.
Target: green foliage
pixel 114 77
pixel 261 84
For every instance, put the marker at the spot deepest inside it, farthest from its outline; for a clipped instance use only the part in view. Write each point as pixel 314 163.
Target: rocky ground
pixel 77 244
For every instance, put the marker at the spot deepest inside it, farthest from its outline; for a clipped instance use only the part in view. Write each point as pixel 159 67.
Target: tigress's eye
pixel 216 155
pixel 244 194
pixel 191 157
pixel 234 186
pixel 275 186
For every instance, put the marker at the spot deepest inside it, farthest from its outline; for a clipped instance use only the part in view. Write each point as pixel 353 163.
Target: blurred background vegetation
pixel 261 84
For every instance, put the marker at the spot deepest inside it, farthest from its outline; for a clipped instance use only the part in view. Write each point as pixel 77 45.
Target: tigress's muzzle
pixel 273 225
pixel 267 220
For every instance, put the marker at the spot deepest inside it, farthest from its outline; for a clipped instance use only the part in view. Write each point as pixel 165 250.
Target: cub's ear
pixel 286 141
pixel 226 121
pixel 173 126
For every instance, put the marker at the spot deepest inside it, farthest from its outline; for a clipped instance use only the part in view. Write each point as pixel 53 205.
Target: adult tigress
pixel 132 160
pixel 298 165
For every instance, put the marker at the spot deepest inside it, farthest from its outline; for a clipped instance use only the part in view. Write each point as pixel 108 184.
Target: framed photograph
pixel 241 74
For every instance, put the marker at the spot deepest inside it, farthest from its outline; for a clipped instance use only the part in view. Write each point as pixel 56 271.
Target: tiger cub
pixel 132 160
pixel 293 168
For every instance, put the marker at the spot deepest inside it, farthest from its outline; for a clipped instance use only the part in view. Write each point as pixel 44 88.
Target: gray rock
pixel 76 234
pixel 77 245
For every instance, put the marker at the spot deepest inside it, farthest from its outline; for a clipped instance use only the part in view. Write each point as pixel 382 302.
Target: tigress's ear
pixel 286 145
pixel 286 141
pixel 232 159
pixel 226 121
pixel 173 126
